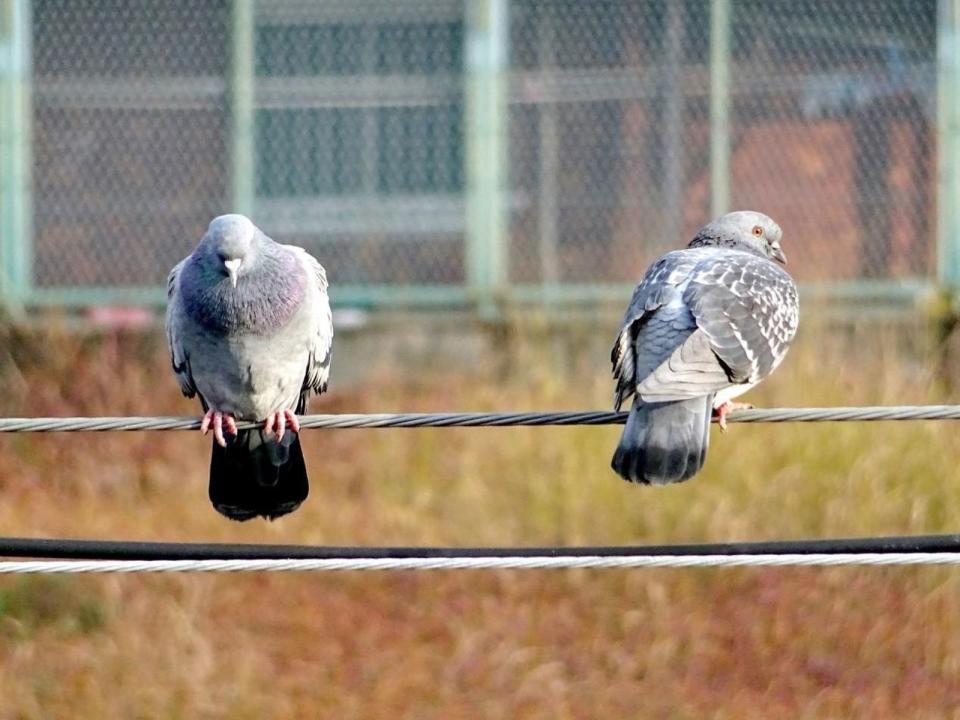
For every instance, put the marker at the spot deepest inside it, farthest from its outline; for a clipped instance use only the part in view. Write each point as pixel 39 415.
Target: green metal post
pixel 16 233
pixel 487 40
pixel 242 167
pixel 673 133
pixel 719 107
pixel 948 139
pixel 548 205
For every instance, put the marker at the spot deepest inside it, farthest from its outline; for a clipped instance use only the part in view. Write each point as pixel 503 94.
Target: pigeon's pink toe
pixel 278 422
pixel 218 420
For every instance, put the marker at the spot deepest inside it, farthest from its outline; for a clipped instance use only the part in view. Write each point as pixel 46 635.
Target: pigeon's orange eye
pixel 757 230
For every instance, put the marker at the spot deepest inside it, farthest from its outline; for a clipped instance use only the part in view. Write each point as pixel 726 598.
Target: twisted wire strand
pixel 90 549
pixel 528 419
pixel 479 563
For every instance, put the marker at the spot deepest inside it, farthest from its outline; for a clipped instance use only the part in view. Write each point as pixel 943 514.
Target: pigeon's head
pixel 230 245
pixel 743 230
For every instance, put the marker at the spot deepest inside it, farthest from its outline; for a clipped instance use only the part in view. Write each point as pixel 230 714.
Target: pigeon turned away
pixel 705 325
pixel 250 333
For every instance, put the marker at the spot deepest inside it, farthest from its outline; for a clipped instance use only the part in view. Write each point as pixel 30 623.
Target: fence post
pixel 487 40
pixel 15 147
pixel 948 144
pixel 719 107
pixel 242 166
pixel 547 200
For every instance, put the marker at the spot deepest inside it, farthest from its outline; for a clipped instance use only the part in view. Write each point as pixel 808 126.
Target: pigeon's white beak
pixel 233 269
pixel 777 253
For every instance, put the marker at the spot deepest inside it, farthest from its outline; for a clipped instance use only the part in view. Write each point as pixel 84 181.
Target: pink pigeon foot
pixel 722 412
pixel 219 420
pixel 279 421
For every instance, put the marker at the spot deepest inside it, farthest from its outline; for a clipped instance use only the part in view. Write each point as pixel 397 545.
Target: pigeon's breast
pixel 262 303
pixel 252 376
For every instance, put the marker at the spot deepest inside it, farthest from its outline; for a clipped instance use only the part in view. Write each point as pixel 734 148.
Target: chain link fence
pixel 360 136
pixel 831 132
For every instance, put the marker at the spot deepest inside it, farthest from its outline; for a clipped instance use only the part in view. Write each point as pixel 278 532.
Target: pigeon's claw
pixel 292 420
pixel 276 422
pixel 218 429
pixel 279 421
pixel 722 416
pixel 218 420
pixel 725 409
pixel 205 423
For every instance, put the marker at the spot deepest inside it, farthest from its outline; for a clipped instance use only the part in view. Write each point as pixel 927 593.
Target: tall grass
pixel 683 644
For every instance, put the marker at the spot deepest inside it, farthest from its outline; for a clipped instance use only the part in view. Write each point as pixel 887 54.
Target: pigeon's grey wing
pixel 179 356
pixel 320 327
pixel 746 311
pixel 655 321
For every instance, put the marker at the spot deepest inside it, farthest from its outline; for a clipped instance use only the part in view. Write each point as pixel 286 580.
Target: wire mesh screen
pixel 129 136
pixel 835 131
pixel 360 134
pixel 831 133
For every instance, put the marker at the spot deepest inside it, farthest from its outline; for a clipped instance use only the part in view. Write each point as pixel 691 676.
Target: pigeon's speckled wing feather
pixel 749 310
pixel 703 320
pixel 656 312
pixel 179 357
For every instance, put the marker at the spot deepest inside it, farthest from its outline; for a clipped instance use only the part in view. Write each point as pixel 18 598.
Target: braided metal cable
pixel 529 419
pixel 479 563
pixel 38 548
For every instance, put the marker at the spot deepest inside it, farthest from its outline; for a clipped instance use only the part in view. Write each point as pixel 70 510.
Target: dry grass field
pixel 749 643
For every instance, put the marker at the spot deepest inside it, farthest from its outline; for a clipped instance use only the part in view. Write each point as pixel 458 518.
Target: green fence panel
pixel 440 151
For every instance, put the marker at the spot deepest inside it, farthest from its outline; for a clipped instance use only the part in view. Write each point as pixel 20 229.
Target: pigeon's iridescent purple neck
pixel 264 300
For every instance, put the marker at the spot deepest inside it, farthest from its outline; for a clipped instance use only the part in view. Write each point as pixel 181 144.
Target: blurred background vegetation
pixel 879 642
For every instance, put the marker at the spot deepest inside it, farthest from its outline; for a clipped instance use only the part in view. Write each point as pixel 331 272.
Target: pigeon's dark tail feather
pixel 664 442
pixel 255 475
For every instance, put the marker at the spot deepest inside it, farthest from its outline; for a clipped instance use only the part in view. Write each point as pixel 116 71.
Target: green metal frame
pixel 487 285
pixel 16 215
pixel 948 144
pixel 896 294
pixel 241 100
pixel 487 40
pixel 719 107
pixel 365 296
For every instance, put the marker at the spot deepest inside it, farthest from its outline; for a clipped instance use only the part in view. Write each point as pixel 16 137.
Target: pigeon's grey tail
pixel 664 442
pixel 256 475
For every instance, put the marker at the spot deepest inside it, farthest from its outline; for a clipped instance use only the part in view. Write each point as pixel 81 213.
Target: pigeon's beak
pixel 776 252
pixel 233 269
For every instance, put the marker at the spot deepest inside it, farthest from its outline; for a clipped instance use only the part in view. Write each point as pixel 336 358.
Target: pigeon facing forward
pixel 250 332
pixel 705 324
